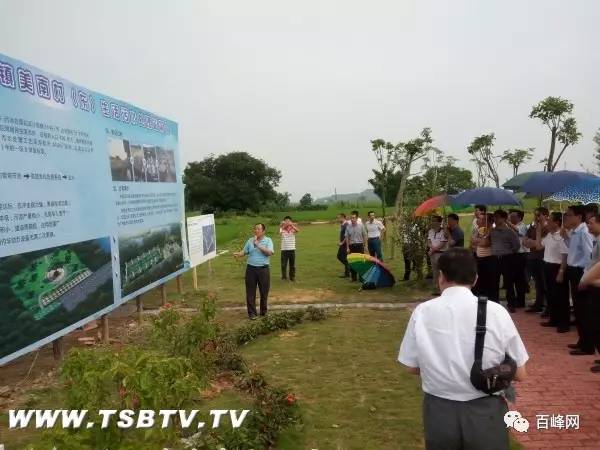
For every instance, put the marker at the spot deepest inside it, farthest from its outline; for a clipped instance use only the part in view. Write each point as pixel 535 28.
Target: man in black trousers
pixel 356 239
pixel 505 246
pixel 258 249
pixel 579 240
pixel 342 254
pixel 535 261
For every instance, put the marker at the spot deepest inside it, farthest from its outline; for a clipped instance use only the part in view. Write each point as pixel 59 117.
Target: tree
pixel 385 153
pixel 306 200
pixel 597 151
pixel 391 186
pixel 487 162
pixel 234 181
pixel 515 158
pixel 567 136
pixel 555 113
pixel 480 171
pixel 282 200
pixel 450 180
pixel 406 154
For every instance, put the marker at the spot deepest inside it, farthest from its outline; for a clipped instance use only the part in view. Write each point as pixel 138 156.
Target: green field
pixel 318 270
pixel 33 283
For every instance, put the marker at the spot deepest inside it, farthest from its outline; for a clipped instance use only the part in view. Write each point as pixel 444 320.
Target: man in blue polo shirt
pixel 258 249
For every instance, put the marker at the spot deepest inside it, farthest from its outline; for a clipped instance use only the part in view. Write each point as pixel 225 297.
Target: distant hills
pixel 365 196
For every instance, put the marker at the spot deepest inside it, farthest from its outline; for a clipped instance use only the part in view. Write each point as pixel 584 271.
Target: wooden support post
pixel 163 294
pixel 104 327
pixel 57 348
pixel 179 285
pixel 139 307
pixel 195 278
pixel 210 270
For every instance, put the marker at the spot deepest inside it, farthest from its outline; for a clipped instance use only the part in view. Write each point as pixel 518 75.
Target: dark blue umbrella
pixel 545 183
pixel 516 182
pixel 586 192
pixel 485 196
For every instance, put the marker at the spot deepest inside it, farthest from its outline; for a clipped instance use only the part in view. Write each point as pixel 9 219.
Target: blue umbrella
pixel 516 182
pixel 586 191
pixel 485 196
pixel 377 276
pixel 545 183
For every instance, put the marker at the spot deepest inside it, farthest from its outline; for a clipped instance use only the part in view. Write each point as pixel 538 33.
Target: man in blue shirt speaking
pixel 258 249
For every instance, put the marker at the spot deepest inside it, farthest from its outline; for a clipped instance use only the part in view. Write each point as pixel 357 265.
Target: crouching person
pixel 440 345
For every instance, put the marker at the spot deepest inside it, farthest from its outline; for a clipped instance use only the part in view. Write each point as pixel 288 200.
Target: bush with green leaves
pixel 134 378
pixel 276 321
pixel 180 356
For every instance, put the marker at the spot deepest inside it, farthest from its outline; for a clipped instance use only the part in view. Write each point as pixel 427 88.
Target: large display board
pixel 91 205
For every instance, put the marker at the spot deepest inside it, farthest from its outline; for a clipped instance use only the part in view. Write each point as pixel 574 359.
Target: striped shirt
pixel 288 238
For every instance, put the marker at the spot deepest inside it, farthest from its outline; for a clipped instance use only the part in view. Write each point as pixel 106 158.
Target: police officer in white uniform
pixel 439 346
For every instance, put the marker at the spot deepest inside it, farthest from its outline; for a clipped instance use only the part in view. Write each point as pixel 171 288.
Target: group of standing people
pixel 358 237
pixel 559 252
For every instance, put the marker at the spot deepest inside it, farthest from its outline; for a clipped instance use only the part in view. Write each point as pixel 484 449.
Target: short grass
pixel 317 278
pixel 352 392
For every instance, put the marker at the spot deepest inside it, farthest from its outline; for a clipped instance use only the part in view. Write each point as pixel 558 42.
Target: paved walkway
pixel 558 384
pixel 295 306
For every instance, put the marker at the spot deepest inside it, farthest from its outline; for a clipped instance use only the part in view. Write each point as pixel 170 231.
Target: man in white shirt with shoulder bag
pixel 463 376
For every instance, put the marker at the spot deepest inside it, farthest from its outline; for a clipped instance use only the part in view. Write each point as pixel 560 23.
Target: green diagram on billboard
pixel 47 279
pixel 149 255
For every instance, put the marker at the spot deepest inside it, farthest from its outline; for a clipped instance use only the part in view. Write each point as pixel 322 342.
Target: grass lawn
pixel 352 392
pixel 317 279
pixel 318 270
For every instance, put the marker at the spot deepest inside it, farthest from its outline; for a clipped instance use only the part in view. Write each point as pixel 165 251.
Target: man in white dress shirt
pixel 439 345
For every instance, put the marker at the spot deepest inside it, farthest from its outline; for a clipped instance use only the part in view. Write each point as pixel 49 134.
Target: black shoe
pixel 595 369
pixel 533 309
pixel 548 324
pixel 252 317
pixel 406 279
pixel 573 346
pixel 581 353
pixel 511 309
pixel 597 361
pixel 292 279
pixel 563 329
pixel 436 293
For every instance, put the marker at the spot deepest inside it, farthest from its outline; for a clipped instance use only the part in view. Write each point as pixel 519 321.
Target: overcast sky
pixel 306 85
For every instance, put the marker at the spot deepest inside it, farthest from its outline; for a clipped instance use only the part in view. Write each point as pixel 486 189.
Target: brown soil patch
pixel 303 296
pixel 288 334
pixel 218 385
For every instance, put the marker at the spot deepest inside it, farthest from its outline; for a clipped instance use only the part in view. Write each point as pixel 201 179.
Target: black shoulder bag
pixel 495 378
